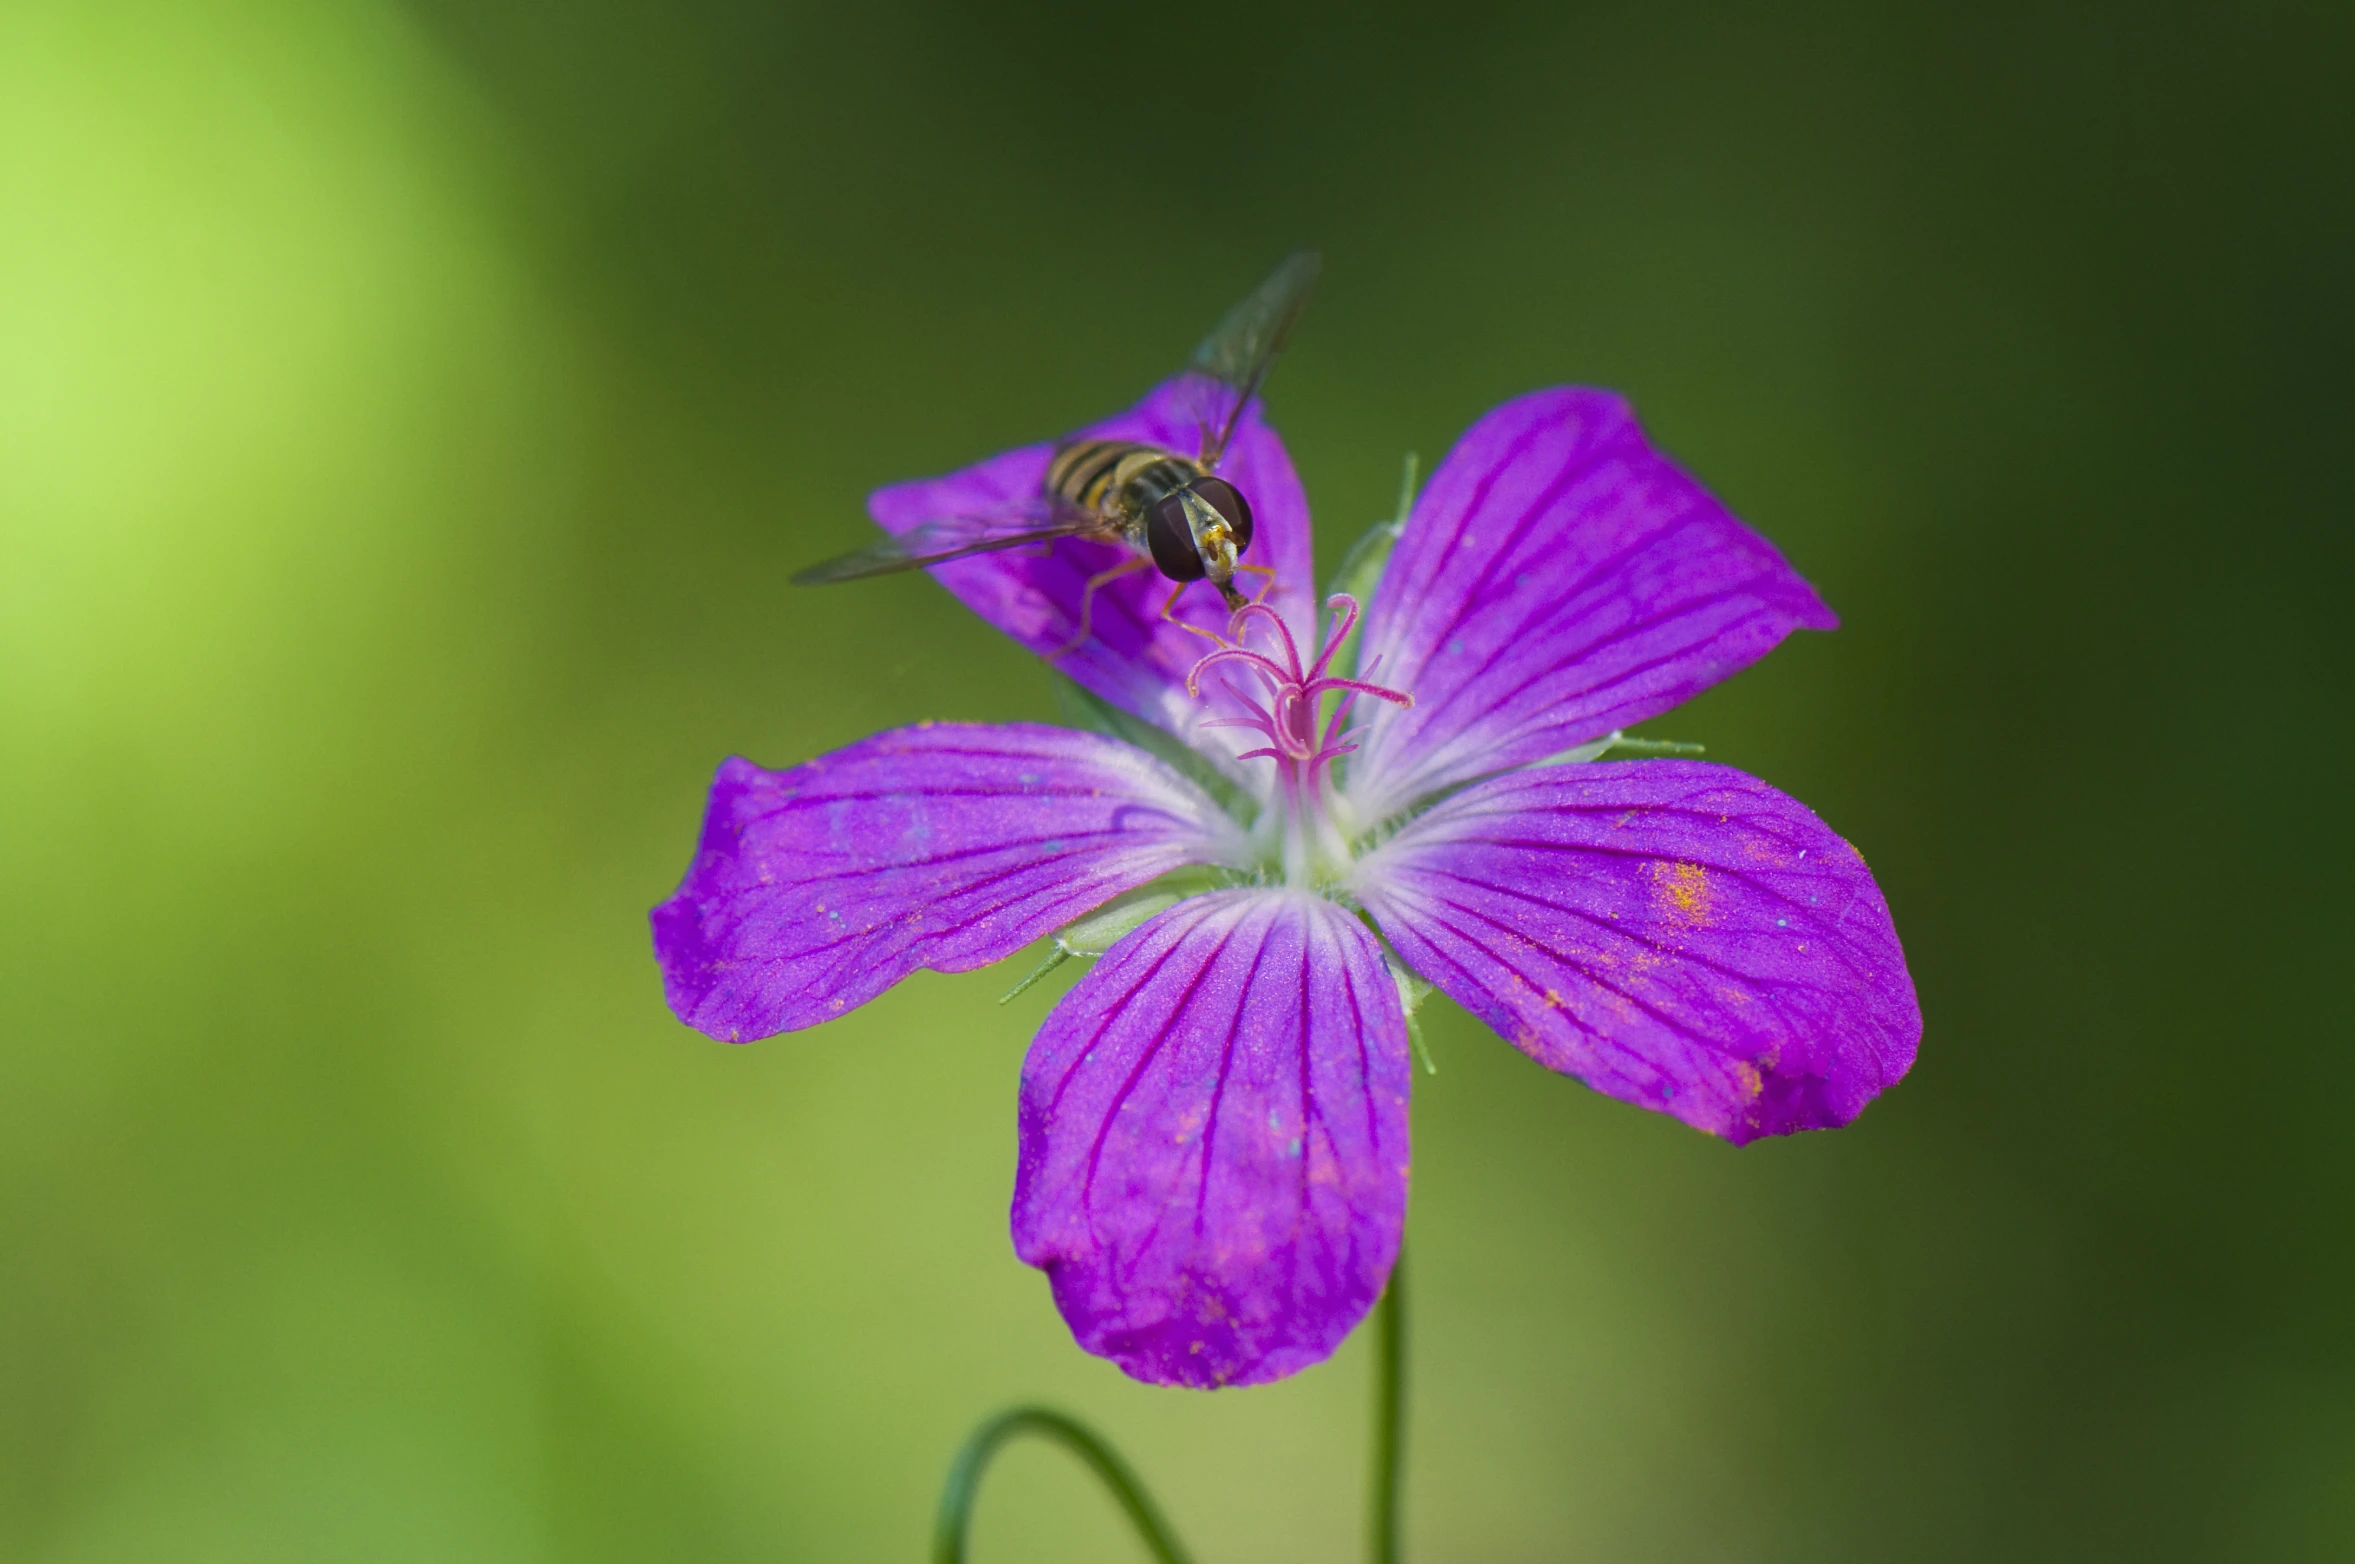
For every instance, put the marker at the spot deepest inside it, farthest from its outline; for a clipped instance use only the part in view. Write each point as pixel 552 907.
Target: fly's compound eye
pixel 1172 541
pixel 1228 501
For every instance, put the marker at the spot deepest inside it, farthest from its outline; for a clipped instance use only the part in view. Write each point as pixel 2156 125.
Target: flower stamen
pixel 1289 719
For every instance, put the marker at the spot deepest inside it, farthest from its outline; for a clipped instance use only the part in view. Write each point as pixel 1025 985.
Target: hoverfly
pixel 1171 510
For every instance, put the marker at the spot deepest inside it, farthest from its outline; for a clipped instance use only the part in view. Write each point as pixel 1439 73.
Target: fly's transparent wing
pixel 951 537
pixel 1231 362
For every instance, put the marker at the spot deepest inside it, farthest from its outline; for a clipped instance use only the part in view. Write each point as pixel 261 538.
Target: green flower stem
pixel 1383 1542
pixel 1383 1545
pixel 956 1499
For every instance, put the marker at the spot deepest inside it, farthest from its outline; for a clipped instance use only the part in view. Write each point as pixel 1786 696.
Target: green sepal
pixel 1100 930
pixel 1056 956
pixel 1361 568
pixel 1615 741
pixel 1635 746
pixel 1084 708
pixel 1412 991
pixel 1123 915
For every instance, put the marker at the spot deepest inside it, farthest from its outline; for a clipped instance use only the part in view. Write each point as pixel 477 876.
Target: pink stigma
pixel 1288 718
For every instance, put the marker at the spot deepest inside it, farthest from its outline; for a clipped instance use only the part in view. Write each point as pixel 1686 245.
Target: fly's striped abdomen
pixel 1115 479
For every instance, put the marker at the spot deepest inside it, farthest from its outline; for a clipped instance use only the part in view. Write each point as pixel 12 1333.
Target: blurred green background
pixel 409 415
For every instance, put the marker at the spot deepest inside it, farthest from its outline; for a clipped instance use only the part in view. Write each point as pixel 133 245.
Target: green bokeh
pixel 409 417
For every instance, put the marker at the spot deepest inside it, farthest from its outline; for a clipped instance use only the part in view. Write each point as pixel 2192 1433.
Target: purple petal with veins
pixel 1214 1140
pixel 1559 578
pixel 1133 658
pixel 948 846
pixel 1676 935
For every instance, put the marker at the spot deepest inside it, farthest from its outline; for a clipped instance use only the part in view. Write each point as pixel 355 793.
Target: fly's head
pixel 1199 533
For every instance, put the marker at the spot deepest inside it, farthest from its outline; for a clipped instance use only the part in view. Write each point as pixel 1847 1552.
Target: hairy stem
pixel 1382 1528
pixel 955 1519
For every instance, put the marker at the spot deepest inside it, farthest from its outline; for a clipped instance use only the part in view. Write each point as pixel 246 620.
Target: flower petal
pixel 1558 579
pixel 1133 658
pixel 1214 1141
pixel 947 845
pixel 1676 935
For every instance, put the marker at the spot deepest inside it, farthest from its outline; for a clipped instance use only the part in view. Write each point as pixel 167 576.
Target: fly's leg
pixel 1087 599
pixel 1169 612
pixel 1168 608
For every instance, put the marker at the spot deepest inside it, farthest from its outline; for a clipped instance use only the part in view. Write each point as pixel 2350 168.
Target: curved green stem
pixel 956 1498
pixel 1382 1529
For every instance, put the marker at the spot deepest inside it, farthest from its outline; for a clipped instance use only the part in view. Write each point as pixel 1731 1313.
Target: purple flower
pixel 1214 1151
